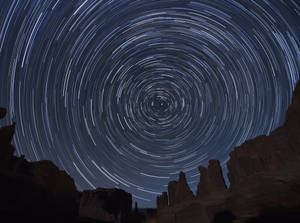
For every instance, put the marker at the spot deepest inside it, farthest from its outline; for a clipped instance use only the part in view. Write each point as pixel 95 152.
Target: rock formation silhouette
pixel 110 205
pixel 179 191
pixel 211 179
pixel 162 201
pixel 263 172
pixel 32 189
pixel 40 192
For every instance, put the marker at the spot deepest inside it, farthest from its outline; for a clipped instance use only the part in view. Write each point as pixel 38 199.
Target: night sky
pixel 126 94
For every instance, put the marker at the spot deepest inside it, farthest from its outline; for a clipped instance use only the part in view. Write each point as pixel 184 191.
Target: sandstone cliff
pixel 269 153
pixel 211 179
pixel 179 191
pixel 264 172
pixel 162 201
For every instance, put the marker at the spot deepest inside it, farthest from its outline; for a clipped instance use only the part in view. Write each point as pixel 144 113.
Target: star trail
pixel 126 94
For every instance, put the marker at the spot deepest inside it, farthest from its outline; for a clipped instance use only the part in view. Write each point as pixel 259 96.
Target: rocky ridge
pixel 211 179
pixel 33 189
pixel 179 191
pixel 263 172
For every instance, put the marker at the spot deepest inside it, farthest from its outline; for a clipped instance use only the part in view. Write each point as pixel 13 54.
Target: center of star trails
pixel 160 105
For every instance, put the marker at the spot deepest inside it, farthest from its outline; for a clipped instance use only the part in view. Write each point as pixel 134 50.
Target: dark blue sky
pixel 128 93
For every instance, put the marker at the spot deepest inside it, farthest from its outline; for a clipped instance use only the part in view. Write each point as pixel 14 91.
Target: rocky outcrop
pixel 211 179
pixel 264 172
pixel 41 192
pixel 57 182
pixel 269 153
pixel 162 200
pixel 33 189
pixel 278 189
pixel 264 153
pixel 179 191
pixel 111 205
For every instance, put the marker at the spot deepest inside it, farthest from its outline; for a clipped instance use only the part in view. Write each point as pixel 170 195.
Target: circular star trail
pixel 128 93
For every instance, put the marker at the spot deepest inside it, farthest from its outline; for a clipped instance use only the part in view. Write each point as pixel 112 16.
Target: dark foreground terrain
pixel 264 175
pixel 40 192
